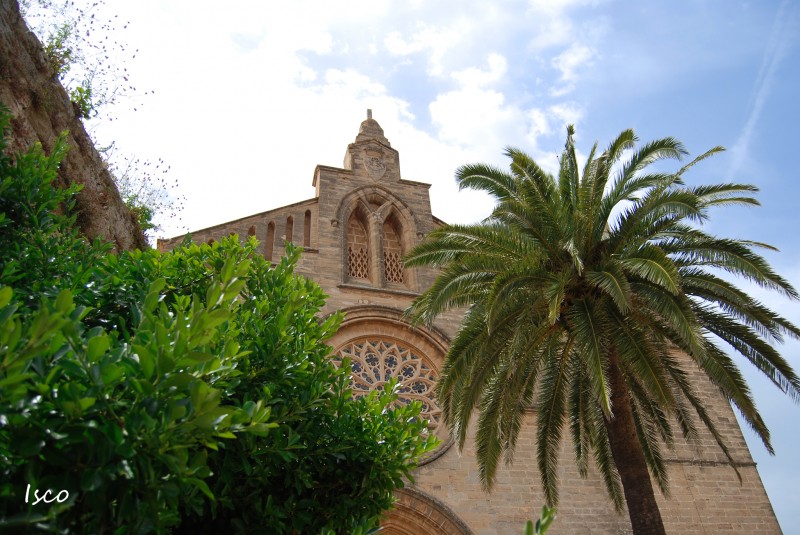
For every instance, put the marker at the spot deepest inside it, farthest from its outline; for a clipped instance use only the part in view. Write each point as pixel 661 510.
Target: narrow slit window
pixel 270 242
pixel 307 229
pixel 289 228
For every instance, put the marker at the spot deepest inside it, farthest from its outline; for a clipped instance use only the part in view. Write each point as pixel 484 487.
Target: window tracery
pixel 392 252
pixel 375 361
pixel 357 248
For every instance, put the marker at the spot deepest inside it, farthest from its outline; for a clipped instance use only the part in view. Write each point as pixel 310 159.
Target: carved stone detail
pixel 375 361
pixel 375 167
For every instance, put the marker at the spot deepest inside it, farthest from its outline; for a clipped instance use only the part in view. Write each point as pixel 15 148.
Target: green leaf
pixel 216 317
pixel 195 357
pixel 111 373
pixel 64 301
pixel 91 480
pixel 153 294
pixel 29 447
pixel 96 347
pixel 15 379
pixel 5 295
pixel 147 359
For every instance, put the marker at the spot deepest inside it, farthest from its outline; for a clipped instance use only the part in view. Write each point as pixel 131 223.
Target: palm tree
pixel 584 294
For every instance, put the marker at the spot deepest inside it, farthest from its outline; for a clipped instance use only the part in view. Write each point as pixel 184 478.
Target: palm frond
pixel 486 178
pixel 613 282
pixel 648 434
pixel 671 315
pixel 750 345
pixel 551 406
pixel 568 175
pixel 699 407
pixel 705 155
pixel 726 194
pixel 652 265
pixel 578 416
pixel 529 173
pixel 603 458
pixel 589 328
pixel 643 357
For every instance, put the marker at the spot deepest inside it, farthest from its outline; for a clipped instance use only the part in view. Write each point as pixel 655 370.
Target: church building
pixel 363 218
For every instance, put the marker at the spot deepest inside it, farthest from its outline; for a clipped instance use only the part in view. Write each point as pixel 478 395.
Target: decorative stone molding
pixel 416 513
pixel 377 360
pixel 375 166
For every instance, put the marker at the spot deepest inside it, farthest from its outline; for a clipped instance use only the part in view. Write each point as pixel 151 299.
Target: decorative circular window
pixel 375 361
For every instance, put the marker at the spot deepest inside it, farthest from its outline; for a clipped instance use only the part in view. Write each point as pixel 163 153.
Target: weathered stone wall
pixel 304 232
pixel 41 110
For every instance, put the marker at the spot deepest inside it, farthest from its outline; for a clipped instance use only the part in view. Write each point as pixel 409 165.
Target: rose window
pixel 374 362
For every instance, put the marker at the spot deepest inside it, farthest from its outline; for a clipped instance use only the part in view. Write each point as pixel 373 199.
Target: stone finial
pixel 370 129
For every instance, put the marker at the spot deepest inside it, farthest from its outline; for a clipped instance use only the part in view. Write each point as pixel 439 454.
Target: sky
pixel 241 100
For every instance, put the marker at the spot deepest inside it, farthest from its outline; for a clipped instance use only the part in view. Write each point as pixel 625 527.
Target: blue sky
pixel 250 96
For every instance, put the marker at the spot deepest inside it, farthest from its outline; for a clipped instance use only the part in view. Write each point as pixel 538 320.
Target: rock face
pixel 41 109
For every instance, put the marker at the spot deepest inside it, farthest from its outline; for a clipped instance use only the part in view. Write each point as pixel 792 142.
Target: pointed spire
pixel 370 129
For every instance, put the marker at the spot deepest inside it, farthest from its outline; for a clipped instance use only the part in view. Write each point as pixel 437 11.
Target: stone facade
pixel 363 218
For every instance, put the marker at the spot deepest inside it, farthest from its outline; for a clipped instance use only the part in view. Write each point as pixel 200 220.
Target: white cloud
pixel 436 41
pixel 566 113
pixel 540 125
pixel 476 77
pixel 568 63
pixel 552 24
pixel 471 116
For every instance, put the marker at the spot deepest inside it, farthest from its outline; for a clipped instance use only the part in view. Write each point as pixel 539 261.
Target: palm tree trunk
pixel 629 458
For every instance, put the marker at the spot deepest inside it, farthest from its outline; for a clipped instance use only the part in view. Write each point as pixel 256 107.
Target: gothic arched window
pixel 392 251
pixel 358 259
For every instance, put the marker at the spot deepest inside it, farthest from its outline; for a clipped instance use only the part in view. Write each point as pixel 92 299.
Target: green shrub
pixel 542 523
pixel 185 391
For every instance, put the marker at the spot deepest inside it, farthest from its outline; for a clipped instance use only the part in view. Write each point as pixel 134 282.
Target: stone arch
pixel 416 513
pixel 382 345
pixel 376 207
